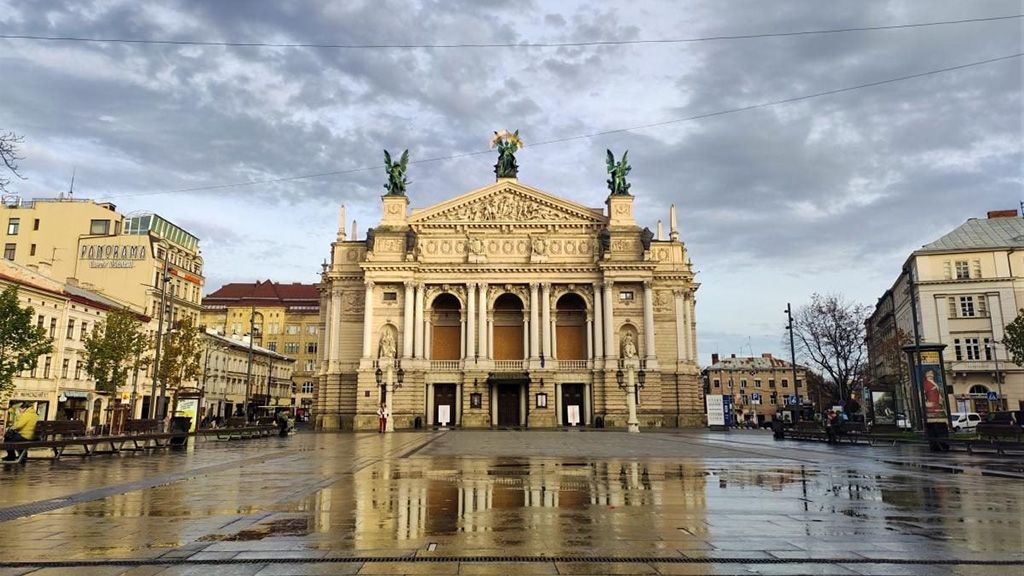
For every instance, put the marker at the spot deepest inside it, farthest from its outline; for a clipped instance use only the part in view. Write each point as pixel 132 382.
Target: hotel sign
pixel 111 255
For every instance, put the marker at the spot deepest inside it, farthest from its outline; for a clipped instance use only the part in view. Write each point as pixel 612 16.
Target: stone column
pixel 682 333
pixel 334 330
pixel 470 320
pixel 590 336
pixel 534 323
pixel 407 321
pixel 648 321
pixel 368 321
pixel 546 320
pixel 691 328
pixel 418 322
pixel 482 324
pixel 611 351
pixel 598 324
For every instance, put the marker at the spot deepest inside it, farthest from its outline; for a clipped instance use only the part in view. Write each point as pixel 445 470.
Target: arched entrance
pixel 571 353
pixel 508 387
pixel 445 353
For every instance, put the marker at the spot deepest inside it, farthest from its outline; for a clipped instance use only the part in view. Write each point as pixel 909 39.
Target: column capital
pixel 678 292
pixel 534 286
pixel 421 286
pixel 648 284
pixel 546 285
pixel 368 283
pixel 609 284
pixel 409 284
pixel 471 285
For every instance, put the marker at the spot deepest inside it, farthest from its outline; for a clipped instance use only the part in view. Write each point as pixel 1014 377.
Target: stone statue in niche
pixel 604 239
pixel 387 348
pixel 628 345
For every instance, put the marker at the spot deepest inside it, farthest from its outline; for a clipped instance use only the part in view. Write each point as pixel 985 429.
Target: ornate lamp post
pixel 394 380
pixel 631 382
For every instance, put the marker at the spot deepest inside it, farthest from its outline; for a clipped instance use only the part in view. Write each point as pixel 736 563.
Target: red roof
pixel 264 293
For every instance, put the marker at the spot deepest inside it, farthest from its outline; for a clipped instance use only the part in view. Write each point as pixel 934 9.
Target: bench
pixel 57 435
pixel 1000 426
pixel 806 430
pixel 142 431
pixel 240 429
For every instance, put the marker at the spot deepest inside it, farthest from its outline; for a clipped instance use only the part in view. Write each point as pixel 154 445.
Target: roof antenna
pixel 71 189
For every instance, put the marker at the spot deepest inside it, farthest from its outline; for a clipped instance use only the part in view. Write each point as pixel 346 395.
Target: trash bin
pixel 180 424
pixel 599 422
pixel 418 423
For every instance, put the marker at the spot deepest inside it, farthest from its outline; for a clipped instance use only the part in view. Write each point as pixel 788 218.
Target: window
pixel 64 368
pixel 757 383
pixel 78 370
pixel 307 388
pixel 988 349
pixel 952 307
pixel 32 250
pixel 796 384
pixel 291 348
pixel 53 327
pixel 957 349
pixel 13 225
pixel 976 265
pixel 99 227
pixel 35 225
pixel 310 347
pixel 272 346
pixel 785 383
pixel 771 382
pixel 9 251
pixel 743 399
pixel 85 331
pixel 717 383
pixel 293 329
pixel 967 306
pixel 310 365
pixel 973 349
pixel 71 329
pixel 982 306
pixel 626 295
pixel 40 320
pixel 743 383
pixel 391 296
pixel 46 367
pixel 962 270
pixel 312 329
pixel 273 328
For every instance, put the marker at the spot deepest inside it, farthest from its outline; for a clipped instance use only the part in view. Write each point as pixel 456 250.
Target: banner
pixel 188 407
pixel 716 410
pixel 883 407
pixel 929 374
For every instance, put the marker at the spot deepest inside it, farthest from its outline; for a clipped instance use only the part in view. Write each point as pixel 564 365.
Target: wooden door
pixel 444 395
pixel 508 405
pixel 572 395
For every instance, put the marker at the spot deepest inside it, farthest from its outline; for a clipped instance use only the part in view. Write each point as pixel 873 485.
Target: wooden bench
pixel 240 429
pixel 57 435
pixel 142 432
pixel 806 430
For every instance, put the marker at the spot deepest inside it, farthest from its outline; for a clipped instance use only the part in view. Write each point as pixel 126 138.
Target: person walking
pixel 831 422
pixel 23 429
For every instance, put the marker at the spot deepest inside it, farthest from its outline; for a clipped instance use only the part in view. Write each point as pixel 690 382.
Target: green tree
pixel 21 343
pixel 1013 338
pixel 182 355
pixel 115 347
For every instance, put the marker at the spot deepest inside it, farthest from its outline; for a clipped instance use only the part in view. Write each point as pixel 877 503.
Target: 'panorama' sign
pixel 111 256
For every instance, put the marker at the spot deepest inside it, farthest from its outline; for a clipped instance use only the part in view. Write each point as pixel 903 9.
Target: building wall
pixel 506 239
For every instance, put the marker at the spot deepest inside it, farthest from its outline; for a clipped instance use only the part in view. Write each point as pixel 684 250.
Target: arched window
pixel 978 389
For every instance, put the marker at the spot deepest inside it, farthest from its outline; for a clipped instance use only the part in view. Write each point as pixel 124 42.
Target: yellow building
pixel 58 385
pixel 508 306
pixel 759 386
pixel 285 319
pixel 95 247
pixel 967 285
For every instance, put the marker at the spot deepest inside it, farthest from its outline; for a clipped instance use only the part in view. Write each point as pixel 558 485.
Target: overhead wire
pixel 724 112
pixel 477 45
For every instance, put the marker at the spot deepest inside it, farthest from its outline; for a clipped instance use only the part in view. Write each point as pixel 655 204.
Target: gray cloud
pixel 827 194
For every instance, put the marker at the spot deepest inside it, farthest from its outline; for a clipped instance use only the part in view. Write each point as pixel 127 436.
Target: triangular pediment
pixel 507 202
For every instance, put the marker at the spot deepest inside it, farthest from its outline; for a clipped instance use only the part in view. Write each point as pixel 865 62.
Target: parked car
pixel 965 421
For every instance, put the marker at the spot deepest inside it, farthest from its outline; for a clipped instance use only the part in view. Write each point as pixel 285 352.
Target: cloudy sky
pixel 826 194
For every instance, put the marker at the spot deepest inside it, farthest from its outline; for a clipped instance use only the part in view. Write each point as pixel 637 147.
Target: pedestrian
pixel 382 418
pixel 23 429
pixel 830 426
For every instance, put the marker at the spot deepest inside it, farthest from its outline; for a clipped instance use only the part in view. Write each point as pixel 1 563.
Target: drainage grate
pixel 502 559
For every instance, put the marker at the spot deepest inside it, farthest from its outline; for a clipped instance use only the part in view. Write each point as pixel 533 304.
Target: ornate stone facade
pixel 507 307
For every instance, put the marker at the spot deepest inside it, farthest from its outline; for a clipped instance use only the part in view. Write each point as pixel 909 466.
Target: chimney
pixel 732 355
pixel 1002 214
pixel 714 358
pixel 766 355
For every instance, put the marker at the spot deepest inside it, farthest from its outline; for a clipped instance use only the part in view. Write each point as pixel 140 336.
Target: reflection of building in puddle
pixel 538 501
pixel 772 478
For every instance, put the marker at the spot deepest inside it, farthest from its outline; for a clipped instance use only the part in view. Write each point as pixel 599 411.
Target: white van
pixel 965 421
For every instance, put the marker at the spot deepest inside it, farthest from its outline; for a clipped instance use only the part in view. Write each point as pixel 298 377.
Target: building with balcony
pixel 967 285
pixel 508 306
pixel 285 318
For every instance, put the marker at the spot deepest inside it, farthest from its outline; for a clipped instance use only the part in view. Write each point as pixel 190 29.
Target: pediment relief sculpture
pixel 507 206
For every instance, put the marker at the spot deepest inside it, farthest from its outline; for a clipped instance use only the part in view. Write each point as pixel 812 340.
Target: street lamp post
pixel 164 279
pixel 999 377
pixel 388 378
pixel 248 370
pixel 631 382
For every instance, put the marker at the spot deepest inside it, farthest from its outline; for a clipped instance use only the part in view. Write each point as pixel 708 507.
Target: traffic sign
pixel 791 400
pixel 755 398
pixel 992 395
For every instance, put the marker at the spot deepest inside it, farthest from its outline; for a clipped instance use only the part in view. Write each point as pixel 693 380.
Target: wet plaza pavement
pixel 501 502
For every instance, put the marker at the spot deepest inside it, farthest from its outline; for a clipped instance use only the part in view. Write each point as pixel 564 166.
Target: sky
pixel 253 149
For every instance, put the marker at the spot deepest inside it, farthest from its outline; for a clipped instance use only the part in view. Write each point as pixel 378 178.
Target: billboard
pixel 716 410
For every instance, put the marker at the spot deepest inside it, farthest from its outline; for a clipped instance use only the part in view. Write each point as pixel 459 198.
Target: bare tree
pixel 9 143
pixel 830 335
